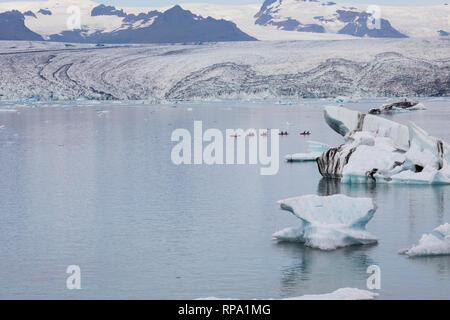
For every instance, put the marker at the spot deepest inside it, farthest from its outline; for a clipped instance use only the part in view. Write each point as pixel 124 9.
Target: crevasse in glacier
pixel 328 223
pixel 383 151
pixel 432 244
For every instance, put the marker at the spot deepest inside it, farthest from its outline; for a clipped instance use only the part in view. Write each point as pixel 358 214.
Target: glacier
pixel 382 151
pixel 285 70
pixel 328 223
pixel 437 244
pixel 315 151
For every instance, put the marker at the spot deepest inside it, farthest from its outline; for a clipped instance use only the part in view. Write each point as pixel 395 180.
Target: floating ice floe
pixel 101 113
pixel 328 223
pixel 343 99
pixel 340 294
pixel 383 151
pixel 437 244
pixel 315 150
pixel 402 106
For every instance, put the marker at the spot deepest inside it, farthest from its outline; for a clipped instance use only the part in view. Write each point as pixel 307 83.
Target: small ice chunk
pixel 315 151
pixel 402 106
pixel 328 223
pixel 432 245
pixel 303 157
pixel 340 294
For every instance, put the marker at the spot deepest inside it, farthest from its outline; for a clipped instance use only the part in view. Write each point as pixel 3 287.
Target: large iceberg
pixel 437 244
pixel 383 151
pixel 315 151
pixel 328 223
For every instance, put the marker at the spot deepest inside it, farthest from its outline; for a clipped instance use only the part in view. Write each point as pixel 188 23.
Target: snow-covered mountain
pixel 106 24
pixel 271 20
pixel 12 27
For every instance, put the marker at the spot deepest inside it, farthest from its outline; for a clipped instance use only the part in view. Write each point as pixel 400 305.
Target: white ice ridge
pixel 328 223
pixel 340 294
pixel 437 244
pixel 383 151
pixel 315 150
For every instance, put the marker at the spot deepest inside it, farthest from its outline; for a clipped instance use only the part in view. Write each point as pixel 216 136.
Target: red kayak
pixel 305 133
pixel 283 134
pixel 235 136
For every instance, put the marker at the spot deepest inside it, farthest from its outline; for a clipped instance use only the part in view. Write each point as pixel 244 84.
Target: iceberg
pixel 383 151
pixel 437 244
pixel 315 151
pixel 402 106
pixel 346 122
pixel 328 223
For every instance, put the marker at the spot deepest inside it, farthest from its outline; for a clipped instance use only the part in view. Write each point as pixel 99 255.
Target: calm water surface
pixel 98 189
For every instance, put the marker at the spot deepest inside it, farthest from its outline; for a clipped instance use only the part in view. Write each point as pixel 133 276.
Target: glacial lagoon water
pixel 93 185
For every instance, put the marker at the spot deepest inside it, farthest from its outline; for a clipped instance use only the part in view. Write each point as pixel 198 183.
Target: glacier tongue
pixel 383 151
pixel 328 223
